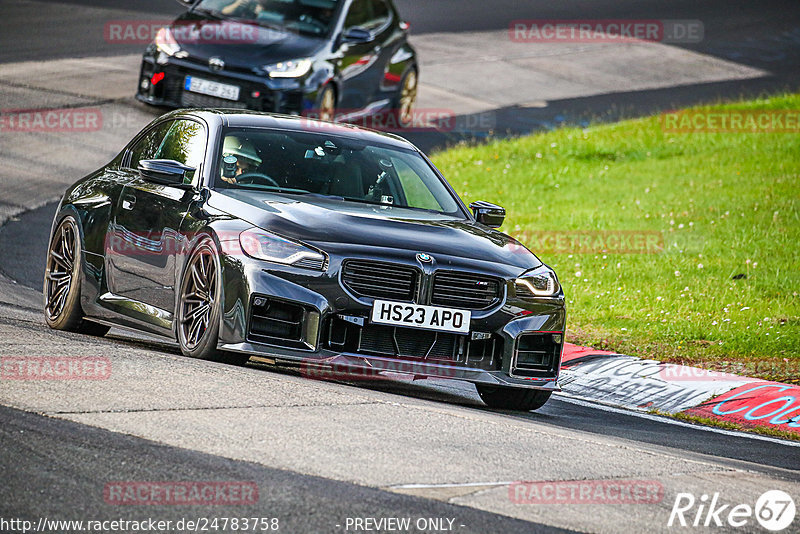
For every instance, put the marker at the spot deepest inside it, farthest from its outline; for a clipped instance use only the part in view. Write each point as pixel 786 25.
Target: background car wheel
pixel 406 99
pixel 200 305
pixel 326 104
pixel 62 282
pixel 505 398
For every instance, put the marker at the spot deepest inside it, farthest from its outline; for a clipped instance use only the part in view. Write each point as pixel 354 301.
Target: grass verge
pixel 715 276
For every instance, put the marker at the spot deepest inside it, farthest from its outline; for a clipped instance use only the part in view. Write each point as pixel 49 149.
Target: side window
pixel 417 193
pixel 358 16
pixel 380 14
pixel 185 142
pixel 148 145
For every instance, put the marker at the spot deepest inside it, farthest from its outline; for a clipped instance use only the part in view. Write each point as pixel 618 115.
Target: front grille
pixel 380 280
pixel 195 100
pixel 407 343
pixel 412 344
pixel 537 354
pixel 465 290
pixel 173 88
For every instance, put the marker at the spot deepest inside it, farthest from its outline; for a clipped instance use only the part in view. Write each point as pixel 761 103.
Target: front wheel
pixel 200 304
pixel 505 398
pixel 62 282
pixel 326 104
pixel 406 99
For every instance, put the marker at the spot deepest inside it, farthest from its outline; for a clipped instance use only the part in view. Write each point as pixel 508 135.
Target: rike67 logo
pixel 774 510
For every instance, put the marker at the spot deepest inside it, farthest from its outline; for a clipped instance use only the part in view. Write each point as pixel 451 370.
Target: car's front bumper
pixel 326 305
pixel 256 93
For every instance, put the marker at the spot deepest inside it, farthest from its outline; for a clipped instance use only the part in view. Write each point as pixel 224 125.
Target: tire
pixel 403 108
pixel 200 305
pixel 62 282
pixel 505 398
pixel 326 104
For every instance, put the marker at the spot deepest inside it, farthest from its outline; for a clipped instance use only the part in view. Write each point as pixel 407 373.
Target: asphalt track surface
pixel 57 468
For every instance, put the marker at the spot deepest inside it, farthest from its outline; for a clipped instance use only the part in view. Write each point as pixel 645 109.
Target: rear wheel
pixel 62 282
pixel 506 398
pixel 200 305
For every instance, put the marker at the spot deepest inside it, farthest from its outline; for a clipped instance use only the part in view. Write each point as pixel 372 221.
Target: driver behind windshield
pixel 318 15
pixel 238 157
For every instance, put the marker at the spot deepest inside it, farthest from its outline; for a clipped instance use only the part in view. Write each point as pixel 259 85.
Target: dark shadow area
pixel 41 480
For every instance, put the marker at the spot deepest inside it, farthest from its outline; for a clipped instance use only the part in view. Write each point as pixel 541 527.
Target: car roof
pixel 236 118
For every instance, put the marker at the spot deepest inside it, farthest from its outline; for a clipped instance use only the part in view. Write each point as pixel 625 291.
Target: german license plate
pixel 417 316
pixel 207 87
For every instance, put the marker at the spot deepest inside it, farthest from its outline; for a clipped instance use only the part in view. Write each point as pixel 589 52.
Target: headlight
pixel 166 43
pixel 289 69
pixel 263 245
pixel 540 282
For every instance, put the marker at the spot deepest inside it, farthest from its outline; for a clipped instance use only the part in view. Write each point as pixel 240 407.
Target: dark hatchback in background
pixel 306 57
pixel 243 234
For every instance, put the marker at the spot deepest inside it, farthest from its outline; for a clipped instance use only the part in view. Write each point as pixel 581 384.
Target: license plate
pixel 416 316
pixel 207 87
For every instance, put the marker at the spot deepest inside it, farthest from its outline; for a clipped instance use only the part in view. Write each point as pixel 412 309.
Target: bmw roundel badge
pixel 424 258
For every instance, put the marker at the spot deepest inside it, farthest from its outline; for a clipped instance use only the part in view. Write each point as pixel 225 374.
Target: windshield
pixel 304 16
pixel 330 166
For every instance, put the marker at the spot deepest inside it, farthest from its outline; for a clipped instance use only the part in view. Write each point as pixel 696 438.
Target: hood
pixel 240 44
pixel 333 225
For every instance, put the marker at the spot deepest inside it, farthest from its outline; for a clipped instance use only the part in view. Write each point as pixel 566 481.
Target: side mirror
pixel 357 35
pixel 487 213
pixel 165 172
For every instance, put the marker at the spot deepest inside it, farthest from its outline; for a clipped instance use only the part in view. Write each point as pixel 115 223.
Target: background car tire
pixel 200 304
pixel 62 282
pixel 506 398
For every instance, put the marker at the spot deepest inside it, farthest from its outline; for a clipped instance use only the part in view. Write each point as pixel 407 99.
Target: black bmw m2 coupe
pixel 243 234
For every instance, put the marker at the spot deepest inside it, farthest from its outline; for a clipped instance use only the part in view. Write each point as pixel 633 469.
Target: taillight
pixel 157 77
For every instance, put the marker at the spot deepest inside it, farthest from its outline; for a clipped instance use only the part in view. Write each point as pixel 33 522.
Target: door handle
pixel 128 202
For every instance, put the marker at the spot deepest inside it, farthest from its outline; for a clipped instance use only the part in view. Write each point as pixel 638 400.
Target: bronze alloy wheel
pixel 408 98
pixel 62 282
pixel 327 104
pixel 61 269
pixel 198 297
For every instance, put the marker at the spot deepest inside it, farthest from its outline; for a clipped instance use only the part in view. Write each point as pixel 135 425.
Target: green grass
pixel 726 205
